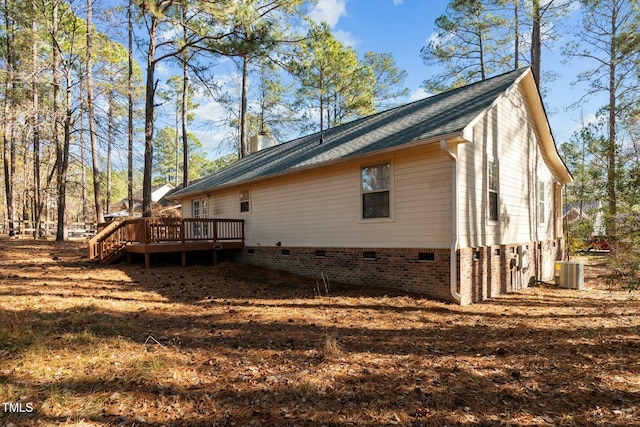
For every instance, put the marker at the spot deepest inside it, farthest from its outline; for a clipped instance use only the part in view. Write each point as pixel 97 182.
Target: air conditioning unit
pixel 569 274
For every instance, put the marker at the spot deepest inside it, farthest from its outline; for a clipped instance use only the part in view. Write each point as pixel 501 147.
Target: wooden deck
pixel 166 235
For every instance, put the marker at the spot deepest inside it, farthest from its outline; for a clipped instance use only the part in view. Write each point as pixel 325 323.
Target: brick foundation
pixel 489 271
pixel 396 268
pixel 482 272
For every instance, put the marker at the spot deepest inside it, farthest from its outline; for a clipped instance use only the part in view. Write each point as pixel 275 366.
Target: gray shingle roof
pixel 438 115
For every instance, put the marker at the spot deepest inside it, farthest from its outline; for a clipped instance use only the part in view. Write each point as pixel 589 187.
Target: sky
pixel 403 27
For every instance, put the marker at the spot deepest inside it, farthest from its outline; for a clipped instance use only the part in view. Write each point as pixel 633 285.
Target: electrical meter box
pixel 569 274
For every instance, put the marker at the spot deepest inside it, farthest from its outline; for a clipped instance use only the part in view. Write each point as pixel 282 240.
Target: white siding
pixel 507 135
pixel 187 209
pixel 322 207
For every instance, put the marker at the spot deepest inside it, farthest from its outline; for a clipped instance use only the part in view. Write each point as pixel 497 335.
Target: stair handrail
pixel 97 247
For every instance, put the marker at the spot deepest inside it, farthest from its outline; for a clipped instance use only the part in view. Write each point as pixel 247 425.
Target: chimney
pixel 260 142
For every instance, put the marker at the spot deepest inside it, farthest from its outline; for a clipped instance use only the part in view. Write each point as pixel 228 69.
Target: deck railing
pixel 159 230
pixel 108 242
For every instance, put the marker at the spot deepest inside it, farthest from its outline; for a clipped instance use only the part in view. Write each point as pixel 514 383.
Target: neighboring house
pixel 457 196
pixel 159 200
pixel 590 210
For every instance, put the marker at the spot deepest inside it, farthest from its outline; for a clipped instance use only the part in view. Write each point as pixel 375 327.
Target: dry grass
pixel 233 345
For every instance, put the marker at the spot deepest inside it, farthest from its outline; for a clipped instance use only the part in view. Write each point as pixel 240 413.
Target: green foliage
pixel 119 184
pixel 625 256
pixel 272 114
pixel 471 42
pixel 171 94
pixel 387 77
pixel 219 163
pixel 167 162
pixel 332 79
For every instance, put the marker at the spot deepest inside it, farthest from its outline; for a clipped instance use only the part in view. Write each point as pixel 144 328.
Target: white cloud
pixel 168 35
pixel 397 2
pixel 214 142
pixel 346 38
pixel 574 6
pixel 438 39
pixel 329 11
pixel 211 111
pixel 162 71
pixel 418 94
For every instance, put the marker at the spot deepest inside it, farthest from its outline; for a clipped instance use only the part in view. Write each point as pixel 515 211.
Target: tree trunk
pixel 185 135
pixel 130 100
pixel 536 42
pixel 8 145
pixel 83 173
pixel 612 146
pixel 185 105
pixel 516 12
pixel 243 106
pixel 321 91
pixel 109 147
pixel 148 118
pixel 60 181
pixel 91 118
pixel 483 72
pixel 176 146
pixel 64 160
pixel 37 194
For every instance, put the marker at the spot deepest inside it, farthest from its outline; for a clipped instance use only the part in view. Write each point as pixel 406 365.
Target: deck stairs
pixel 109 244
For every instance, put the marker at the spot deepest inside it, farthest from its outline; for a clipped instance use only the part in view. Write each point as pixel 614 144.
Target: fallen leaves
pixel 237 345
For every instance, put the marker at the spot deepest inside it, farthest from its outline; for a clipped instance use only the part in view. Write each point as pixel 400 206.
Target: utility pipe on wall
pixel 454 222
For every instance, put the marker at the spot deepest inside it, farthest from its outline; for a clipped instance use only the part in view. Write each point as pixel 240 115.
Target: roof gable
pixel 444 114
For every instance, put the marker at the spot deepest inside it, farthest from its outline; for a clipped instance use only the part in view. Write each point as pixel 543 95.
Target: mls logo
pixel 17 408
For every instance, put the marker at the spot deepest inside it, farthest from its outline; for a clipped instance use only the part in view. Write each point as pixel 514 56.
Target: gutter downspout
pixel 454 214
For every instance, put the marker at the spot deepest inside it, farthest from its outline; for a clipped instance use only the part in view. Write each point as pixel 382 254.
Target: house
pixel 456 196
pixel 587 210
pixel 161 204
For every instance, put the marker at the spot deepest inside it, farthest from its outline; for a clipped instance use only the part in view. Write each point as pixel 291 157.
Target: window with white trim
pixel 245 201
pixel 492 179
pixel 376 190
pixel 196 209
pixel 200 209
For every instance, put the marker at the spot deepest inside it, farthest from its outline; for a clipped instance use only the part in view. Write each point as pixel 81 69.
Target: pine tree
pixel 608 38
pixel 471 42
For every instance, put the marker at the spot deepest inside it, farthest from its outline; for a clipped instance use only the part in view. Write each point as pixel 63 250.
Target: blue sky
pixel 403 27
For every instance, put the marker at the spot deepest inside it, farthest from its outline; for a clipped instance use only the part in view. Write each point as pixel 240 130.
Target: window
pixel 541 201
pixel 196 208
pixel 492 172
pixel 245 201
pixel 376 186
pixel 200 210
pixel 204 208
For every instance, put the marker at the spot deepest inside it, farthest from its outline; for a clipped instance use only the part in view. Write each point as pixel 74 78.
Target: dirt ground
pixel 232 345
